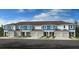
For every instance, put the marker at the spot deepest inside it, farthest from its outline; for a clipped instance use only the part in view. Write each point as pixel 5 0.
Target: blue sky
pixel 17 15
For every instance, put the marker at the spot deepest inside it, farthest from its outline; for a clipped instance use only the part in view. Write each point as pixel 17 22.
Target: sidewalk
pixel 62 38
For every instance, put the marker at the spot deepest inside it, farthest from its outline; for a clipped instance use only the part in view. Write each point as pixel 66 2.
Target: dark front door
pixel 28 34
pixel 5 33
pixel 22 33
pixel 51 34
pixel 44 33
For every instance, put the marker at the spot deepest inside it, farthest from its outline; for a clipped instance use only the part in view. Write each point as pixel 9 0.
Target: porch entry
pixel 48 33
pixel 28 34
pixel 5 33
pixel 71 34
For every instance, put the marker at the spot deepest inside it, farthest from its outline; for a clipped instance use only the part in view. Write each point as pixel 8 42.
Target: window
pixel 52 27
pixel 55 27
pixel 28 27
pixel 5 33
pixel 71 26
pixel 17 27
pixel 28 34
pixel 5 27
pixel 64 26
pixel 11 27
pixel 22 33
pixel 44 33
pixel 23 27
pixel 45 27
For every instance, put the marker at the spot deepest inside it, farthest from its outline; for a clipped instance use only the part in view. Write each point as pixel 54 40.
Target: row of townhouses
pixel 39 29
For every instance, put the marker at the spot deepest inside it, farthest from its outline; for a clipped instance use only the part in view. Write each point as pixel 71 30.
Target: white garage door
pixel 62 34
pixel 37 33
pixel 65 34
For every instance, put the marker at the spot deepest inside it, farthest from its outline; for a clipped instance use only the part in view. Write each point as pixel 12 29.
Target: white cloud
pixel 42 15
pixel 25 10
pixel 4 22
pixel 38 20
pixel 16 20
pixel 70 20
pixel 51 15
pixel 20 10
pixel 56 10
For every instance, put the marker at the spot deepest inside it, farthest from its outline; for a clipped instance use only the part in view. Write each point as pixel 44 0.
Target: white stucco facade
pixel 38 27
pixel 62 27
pixel 40 30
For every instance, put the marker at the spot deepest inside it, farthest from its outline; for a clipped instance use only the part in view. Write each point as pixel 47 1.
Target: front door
pixel 28 34
pixel 23 34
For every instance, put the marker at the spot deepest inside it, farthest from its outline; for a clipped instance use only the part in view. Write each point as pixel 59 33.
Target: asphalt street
pixel 38 44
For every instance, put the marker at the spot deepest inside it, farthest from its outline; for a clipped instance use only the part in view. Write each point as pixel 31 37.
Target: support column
pixel 53 34
pixel 74 34
pixel 4 33
pixel 25 33
pixel 48 33
pixel 18 33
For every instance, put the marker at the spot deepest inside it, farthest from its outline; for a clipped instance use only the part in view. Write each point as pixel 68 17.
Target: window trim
pixel 45 26
pixel 28 26
pixel 71 26
pixel 52 27
pixel 64 26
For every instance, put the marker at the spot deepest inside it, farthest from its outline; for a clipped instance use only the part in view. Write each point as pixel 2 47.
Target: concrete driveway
pixel 32 38
pixel 62 38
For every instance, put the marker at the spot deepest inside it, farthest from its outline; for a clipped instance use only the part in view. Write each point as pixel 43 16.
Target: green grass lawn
pixel 76 38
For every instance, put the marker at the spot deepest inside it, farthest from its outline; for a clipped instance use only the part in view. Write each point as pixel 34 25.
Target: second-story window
pixel 52 27
pixel 55 27
pixel 28 27
pixel 45 26
pixel 64 26
pixel 71 26
pixel 23 27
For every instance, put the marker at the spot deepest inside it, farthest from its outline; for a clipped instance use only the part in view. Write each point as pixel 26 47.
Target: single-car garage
pixel 61 34
pixel 36 33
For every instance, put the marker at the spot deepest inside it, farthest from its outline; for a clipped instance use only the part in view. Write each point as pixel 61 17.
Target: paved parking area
pixel 63 38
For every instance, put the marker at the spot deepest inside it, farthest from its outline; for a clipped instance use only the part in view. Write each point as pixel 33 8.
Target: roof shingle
pixel 43 23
